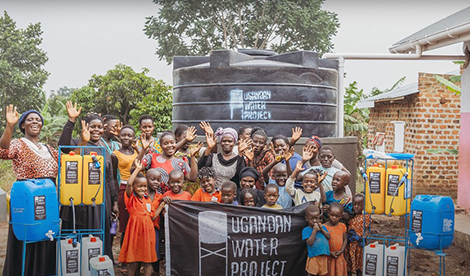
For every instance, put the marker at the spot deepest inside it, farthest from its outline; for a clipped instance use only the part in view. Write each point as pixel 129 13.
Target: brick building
pixel 432 121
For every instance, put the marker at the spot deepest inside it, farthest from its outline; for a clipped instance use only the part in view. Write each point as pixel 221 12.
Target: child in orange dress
pixel 355 235
pixel 338 241
pixel 207 192
pixel 139 242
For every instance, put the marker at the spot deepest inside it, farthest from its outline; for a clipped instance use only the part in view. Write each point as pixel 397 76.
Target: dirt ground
pixel 423 263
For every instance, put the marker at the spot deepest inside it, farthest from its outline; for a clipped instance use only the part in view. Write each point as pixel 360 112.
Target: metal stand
pixel 78 234
pixel 408 192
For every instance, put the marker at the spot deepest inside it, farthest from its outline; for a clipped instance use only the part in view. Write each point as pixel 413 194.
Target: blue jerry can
pixel 432 222
pixel 34 209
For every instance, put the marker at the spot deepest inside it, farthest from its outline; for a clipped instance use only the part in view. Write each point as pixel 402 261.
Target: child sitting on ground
pixel 207 192
pixel 176 180
pixel 338 241
pixel 355 234
pixel 310 182
pixel 271 194
pixel 248 198
pixel 229 193
pixel 338 194
pixel 316 236
pixel 139 241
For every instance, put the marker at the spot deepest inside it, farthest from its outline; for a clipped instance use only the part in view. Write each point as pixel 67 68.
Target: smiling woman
pixel 31 159
pixel 226 164
pixel 166 162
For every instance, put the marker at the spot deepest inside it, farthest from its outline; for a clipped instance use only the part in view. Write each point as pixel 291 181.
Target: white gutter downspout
pixel 341 57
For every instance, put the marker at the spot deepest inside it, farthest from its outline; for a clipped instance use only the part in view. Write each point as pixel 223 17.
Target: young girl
pixel 122 159
pixel 248 178
pixel 207 192
pixel 261 156
pixel 339 184
pixel 316 236
pixel 146 127
pixel 154 180
pixel 338 241
pixel 248 198
pixel 355 235
pixel 310 183
pixel 139 242
pixel 167 162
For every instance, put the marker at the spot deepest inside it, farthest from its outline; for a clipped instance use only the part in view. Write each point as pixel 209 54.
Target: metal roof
pixel 390 95
pixel 443 26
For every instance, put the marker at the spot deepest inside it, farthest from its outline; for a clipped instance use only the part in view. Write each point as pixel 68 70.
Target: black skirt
pixel 40 257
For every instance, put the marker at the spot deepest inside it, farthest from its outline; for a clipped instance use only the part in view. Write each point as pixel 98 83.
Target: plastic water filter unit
pixel 34 209
pixel 432 222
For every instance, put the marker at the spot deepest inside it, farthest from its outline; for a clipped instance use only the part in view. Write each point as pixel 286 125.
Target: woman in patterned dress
pixel 31 160
pixel 226 164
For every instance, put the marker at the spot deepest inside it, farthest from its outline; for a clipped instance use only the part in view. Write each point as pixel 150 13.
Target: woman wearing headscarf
pixel 226 164
pixel 249 176
pixel 31 160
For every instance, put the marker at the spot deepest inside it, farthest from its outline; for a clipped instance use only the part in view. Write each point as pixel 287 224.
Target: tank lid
pixel 372 245
pixel 93 239
pixel 70 241
pixel 72 153
pixel 375 165
pixel 257 52
pixel 93 153
pixel 393 247
pixel 395 167
pixel 102 259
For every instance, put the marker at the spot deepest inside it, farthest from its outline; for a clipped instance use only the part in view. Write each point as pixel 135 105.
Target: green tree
pixel 21 65
pixel 57 99
pixel 187 27
pixel 122 91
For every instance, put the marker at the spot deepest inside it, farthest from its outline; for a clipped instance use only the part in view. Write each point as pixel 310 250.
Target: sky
pixel 86 37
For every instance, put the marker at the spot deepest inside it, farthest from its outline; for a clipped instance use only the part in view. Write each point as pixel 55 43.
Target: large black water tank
pixel 257 88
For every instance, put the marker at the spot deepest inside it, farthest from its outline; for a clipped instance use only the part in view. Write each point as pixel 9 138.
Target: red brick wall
pixel 432 119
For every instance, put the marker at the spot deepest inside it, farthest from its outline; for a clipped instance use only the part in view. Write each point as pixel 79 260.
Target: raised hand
pixel 85 132
pixel 72 110
pixel 134 145
pixel 289 153
pixel 145 142
pixel 194 150
pixel 299 166
pixel 12 115
pixel 296 133
pixel 321 177
pixel 116 129
pixel 307 153
pixel 191 134
pixel 248 153
pixel 210 140
pixel 206 127
pixel 243 145
pixel 138 165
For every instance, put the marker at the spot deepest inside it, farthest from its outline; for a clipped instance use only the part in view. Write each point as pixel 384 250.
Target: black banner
pixel 205 238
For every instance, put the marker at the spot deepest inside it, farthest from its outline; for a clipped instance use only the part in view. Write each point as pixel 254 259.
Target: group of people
pixel 145 173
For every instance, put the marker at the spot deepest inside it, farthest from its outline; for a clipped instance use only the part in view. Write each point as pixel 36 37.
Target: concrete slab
pixel 462 231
